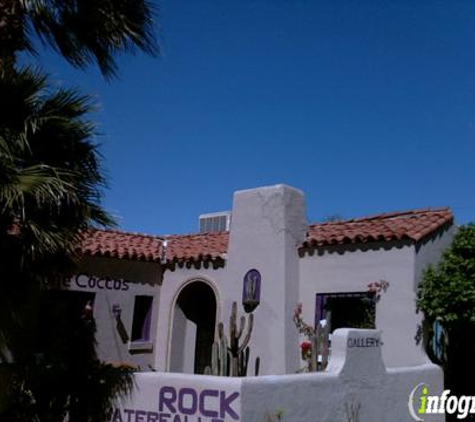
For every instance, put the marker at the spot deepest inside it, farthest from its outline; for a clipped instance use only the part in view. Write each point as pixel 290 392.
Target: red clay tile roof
pixel 141 247
pixel 122 245
pixel 196 247
pixel 410 225
pixel 206 247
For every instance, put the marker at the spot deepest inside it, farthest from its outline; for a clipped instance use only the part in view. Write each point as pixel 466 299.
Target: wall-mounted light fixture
pixel 116 311
pixel 251 290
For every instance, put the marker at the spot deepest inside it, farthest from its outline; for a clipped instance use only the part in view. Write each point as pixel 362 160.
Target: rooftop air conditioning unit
pixel 215 222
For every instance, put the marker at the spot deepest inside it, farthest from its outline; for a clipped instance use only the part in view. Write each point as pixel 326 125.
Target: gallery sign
pixel 363 342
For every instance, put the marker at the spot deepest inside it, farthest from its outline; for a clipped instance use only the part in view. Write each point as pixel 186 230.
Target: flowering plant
pixel 306 350
pixel 301 325
pixel 314 350
pixel 378 287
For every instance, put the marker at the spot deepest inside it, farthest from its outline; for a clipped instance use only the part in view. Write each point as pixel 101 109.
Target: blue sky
pixel 367 106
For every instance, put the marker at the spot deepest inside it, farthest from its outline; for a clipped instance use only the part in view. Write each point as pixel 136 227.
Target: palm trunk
pixel 12 33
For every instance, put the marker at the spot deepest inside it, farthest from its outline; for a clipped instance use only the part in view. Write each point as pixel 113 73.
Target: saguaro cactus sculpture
pixel 220 355
pixel 232 357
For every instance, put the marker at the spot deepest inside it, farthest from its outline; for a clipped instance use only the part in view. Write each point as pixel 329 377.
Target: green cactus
pixel 232 358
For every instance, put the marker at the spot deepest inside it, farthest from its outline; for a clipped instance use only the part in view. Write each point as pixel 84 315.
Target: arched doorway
pixel 194 324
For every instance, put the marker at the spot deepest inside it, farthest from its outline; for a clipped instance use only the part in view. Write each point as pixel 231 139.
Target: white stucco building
pixel 157 300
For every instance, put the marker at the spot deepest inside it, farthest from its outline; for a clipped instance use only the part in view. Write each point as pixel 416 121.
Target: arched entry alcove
pixel 193 328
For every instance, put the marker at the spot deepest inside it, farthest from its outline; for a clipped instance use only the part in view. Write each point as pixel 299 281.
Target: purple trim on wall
pixel 147 323
pixel 320 307
pixel 251 290
pixel 142 319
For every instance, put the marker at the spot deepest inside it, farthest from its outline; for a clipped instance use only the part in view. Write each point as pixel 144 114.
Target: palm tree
pixel 82 31
pixel 50 190
pixel 50 179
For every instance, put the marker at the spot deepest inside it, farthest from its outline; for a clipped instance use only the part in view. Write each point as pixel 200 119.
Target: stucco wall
pixel 267 226
pixel 349 269
pixel 173 283
pixel 356 380
pixel 132 278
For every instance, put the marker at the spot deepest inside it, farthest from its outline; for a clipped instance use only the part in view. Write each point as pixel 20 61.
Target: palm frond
pixel 94 31
pixel 42 183
pixel 51 179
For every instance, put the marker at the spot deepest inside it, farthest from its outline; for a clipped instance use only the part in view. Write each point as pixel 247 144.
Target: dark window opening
pixel 142 318
pixel 346 310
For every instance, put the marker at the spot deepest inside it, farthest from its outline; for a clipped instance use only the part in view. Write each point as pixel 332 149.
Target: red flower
pixel 305 346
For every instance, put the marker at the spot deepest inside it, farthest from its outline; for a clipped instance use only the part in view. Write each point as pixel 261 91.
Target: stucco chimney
pixel 267 227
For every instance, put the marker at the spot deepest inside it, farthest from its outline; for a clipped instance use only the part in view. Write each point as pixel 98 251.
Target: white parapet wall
pixel 355 388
